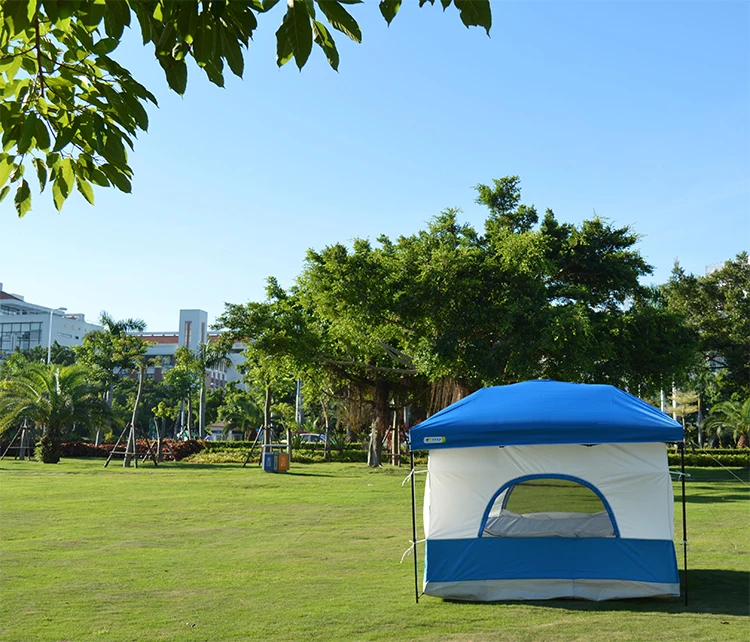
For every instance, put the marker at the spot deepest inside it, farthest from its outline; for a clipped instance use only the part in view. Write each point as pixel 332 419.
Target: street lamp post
pixel 49 340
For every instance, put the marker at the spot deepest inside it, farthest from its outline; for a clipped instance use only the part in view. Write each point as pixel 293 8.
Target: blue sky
pixel 639 111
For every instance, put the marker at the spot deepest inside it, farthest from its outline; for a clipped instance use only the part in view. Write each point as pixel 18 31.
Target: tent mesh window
pixel 548 507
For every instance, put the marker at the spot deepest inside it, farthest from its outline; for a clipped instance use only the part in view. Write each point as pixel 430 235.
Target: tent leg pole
pixel 414 527
pixel 684 521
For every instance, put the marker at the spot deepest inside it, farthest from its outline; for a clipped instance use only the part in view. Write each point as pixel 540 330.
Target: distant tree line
pixel 382 334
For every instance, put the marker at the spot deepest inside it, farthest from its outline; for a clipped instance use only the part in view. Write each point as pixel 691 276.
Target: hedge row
pixel 706 460
pixel 299 456
pixel 236 451
pixel 222 446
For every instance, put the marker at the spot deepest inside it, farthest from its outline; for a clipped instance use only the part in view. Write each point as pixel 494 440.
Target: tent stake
pixel 414 527
pixel 684 522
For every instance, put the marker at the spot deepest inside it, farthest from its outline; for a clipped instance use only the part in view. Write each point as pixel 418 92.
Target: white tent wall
pixel 633 478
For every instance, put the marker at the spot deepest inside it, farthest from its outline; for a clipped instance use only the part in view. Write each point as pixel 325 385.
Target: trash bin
pixel 268 462
pixel 283 463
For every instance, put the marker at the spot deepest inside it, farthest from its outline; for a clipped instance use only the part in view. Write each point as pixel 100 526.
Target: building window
pixel 188 332
pixel 19 336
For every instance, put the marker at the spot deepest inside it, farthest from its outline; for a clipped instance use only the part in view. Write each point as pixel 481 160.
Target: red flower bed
pixel 171 450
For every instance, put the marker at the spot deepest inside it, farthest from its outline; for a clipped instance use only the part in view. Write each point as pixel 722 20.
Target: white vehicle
pixel 312 438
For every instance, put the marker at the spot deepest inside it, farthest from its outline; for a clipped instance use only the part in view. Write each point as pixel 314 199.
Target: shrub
pixel 85 449
pixel 709 460
pixel 49 448
pixel 182 449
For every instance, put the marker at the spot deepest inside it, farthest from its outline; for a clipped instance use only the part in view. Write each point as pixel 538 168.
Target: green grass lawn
pixel 218 552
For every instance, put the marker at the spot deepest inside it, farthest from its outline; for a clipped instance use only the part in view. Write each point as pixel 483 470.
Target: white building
pixel 25 325
pixel 191 332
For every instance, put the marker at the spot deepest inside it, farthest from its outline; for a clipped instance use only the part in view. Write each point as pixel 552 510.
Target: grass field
pixel 217 552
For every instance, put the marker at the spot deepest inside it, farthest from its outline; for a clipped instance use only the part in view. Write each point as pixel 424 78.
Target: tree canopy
pixel 70 112
pixel 717 310
pixel 53 398
pixel 438 314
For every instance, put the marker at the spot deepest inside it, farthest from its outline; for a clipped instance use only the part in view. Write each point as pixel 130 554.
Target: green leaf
pixel 213 70
pixel 6 167
pixel 17 15
pixel 105 46
pixel 4 192
pixel 446 3
pixel 268 5
pixel 27 133
pixel 144 20
pixel 232 53
pixel 22 199
pixel 283 45
pixel 65 136
pixel 137 110
pixel 299 31
pixel 17 173
pixel 41 135
pixel 187 20
pixel 58 198
pixel 98 177
pixel 389 9
pixel 176 73
pixel 341 19
pixel 117 178
pixel 13 67
pixel 116 19
pixel 84 187
pixel 475 13
pixel 41 172
pixel 324 40
pixel 66 176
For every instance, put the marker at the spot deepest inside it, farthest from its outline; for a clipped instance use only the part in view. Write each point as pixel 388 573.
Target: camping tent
pixel 545 489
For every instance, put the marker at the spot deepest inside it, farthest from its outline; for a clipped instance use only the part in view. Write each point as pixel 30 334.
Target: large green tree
pixel 449 309
pixel 717 309
pixel 70 111
pixel 240 410
pixel 184 382
pixel 54 398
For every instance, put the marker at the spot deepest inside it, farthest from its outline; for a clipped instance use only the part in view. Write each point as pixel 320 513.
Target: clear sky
pixel 639 111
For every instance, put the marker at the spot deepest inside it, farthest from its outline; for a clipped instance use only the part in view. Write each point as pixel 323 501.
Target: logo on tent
pixel 434 440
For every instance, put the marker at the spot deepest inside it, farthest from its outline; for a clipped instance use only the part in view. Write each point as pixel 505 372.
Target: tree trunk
pixel 190 416
pixel 202 409
pixel 159 453
pixel 50 446
pixel 267 418
pixel 395 442
pixel 289 442
pixel 373 449
pixel 327 443
pixel 130 449
pixel 382 412
pixel 109 395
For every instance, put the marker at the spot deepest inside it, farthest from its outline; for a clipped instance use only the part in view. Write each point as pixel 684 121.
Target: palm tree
pixel 53 397
pixel 240 411
pixel 729 419
pixel 209 356
pixel 112 352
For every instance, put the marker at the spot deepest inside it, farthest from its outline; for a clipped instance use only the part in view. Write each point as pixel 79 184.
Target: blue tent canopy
pixel 545 412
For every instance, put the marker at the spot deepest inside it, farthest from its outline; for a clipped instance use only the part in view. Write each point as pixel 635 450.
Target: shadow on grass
pixel 235 466
pixel 706 499
pixel 295 473
pixel 709 591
